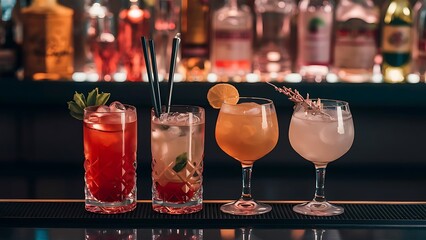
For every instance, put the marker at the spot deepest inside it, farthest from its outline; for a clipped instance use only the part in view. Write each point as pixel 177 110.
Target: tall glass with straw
pixel 177 146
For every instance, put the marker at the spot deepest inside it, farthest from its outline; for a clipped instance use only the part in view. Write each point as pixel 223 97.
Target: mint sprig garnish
pixel 79 102
pixel 181 162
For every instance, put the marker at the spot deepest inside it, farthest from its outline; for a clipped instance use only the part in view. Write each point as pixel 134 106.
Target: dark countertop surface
pixel 67 219
pixel 211 234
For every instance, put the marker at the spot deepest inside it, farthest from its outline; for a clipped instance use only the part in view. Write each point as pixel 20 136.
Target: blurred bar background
pixel 41 146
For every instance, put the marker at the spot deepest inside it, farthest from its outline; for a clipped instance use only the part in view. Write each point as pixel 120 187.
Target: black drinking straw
pixel 155 72
pixel 175 47
pixel 151 82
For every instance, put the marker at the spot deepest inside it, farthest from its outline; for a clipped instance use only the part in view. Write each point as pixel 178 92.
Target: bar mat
pixel 72 214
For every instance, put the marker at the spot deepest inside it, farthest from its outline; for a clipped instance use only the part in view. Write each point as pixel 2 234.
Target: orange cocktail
pixel 244 135
pixel 247 129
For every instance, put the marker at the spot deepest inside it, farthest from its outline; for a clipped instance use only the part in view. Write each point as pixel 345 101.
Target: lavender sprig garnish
pixel 313 107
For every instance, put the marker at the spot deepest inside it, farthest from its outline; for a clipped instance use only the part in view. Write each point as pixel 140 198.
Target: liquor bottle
pixel 8 45
pixel 315 24
pixel 105 52
pixel 167 23
pixel 232 46
pixel 48 44
pixel 419 39
pixel 356 40
pixel 133 23
pixel 272 58
pixel 86 33
pixel 195 27
pixel 397 41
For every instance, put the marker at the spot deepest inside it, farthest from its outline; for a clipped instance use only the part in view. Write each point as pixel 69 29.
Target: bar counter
pixel 42 151
pixel 67 219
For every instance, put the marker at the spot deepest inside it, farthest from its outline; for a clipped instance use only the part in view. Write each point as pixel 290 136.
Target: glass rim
pixel 338 102
pixel 163 107
pixel 267 100
pixel 92 109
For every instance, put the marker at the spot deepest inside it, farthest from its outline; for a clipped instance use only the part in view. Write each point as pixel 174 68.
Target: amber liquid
pixel 195 39
pixel 247 137
pixel 48 45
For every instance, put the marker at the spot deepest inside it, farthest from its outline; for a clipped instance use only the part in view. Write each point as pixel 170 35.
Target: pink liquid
pixel 320 139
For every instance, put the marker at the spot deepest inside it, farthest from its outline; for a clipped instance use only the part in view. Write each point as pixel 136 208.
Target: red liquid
pixel 174 192
pixel 134 23
pixel 110 162
pixel 105 57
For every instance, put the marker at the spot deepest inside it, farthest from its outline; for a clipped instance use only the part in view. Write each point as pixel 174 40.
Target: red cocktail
pixel 110 143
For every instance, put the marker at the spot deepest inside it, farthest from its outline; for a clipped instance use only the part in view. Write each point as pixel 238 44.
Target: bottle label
pixel 396 39
pixel 315 37
pixel 355 45
pixel 233 49
pixel 48 45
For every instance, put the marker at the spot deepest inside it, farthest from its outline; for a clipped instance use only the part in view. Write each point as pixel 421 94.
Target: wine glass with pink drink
pixel 321 131
pixel 321 137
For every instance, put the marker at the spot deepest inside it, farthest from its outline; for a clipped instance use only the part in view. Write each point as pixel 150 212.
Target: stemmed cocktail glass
pixel 247 131
pixel 321 136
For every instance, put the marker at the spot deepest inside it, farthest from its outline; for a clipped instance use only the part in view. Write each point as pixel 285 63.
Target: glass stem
pixel 318 233
pixel 246 191
pixel 246 233
pixel 319 184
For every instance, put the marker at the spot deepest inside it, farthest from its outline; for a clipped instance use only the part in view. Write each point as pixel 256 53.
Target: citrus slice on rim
pixel 222 92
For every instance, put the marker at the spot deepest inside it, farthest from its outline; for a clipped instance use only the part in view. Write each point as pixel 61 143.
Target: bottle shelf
pixel 57 93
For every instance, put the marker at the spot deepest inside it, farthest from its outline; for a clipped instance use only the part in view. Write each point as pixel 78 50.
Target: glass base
pixel 110 208
pixel 314 208
pixel 177 208
pixel 242 207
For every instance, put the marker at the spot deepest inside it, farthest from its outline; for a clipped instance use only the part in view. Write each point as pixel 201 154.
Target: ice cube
pixel 156 134
pixel 329 133
pixel 130 115
pixel 173 132
pixel 179 118
pixel 182 118
pixel 188 118
pixel 248 132
pixel 195 119
pixel 251 108
pixel 117 107
pixel 103 108
pixel 93 118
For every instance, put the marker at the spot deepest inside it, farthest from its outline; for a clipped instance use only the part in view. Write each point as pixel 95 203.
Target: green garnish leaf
pixel 102 98
pixel 73 107
pixel 94 98
pixel 91 97
pixel 80 100
pixel 181 162
pixel 79 116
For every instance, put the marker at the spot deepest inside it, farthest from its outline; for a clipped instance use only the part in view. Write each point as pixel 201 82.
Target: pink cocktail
pixel 177 146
